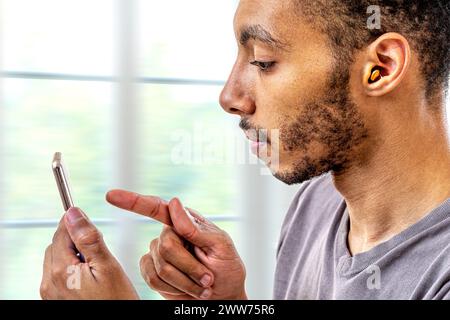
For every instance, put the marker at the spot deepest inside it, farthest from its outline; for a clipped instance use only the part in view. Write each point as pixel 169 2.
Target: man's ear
pixel 391 55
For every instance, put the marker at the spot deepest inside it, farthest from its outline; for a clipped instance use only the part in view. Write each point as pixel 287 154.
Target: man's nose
pixel 236 99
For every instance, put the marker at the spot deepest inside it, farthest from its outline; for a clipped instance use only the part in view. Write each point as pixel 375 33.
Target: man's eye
pixel 263 65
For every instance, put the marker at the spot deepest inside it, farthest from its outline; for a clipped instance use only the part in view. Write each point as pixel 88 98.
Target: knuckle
pixel 166 247
pixel 148 271
pixel 58 272
pixel 153 281
pixel 224 235
pixel 190 234
pixel 166 231
pixel 144 262
pixel 91 237
pixel 156 208
pixel 164 270
pixel 225 238
pixel 154 244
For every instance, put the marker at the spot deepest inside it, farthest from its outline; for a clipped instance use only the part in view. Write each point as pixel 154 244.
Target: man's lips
pixel 255 144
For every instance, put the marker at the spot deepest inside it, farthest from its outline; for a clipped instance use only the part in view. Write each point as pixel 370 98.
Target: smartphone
pixel 62 182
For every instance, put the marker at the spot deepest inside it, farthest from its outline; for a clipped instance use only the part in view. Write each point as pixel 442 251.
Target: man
pixel 361 117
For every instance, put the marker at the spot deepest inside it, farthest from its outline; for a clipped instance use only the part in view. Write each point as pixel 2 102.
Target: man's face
pixel 285 78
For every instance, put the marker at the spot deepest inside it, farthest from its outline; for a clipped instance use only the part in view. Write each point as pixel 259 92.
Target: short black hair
pixel 424 23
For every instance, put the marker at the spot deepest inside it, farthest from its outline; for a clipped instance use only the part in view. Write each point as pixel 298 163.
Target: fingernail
pixel 206 279
pixel 74 215
pixel 205 294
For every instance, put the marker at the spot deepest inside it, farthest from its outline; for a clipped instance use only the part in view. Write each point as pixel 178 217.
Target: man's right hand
pixel 192 258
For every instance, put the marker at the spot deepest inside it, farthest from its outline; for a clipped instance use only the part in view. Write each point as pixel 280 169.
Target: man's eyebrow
pixel 258 33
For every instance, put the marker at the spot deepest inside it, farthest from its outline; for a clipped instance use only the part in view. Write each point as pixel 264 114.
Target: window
pixel 64 63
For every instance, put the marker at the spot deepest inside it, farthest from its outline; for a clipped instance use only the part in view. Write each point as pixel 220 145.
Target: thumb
pixel 189 228
pixel 86 237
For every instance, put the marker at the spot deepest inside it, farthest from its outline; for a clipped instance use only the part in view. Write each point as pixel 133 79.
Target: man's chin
pixel 291 175
pixel 286 177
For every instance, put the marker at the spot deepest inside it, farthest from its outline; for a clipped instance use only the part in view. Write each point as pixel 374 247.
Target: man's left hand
pixel 99 276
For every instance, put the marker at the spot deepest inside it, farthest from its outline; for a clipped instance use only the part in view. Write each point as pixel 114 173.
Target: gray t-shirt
pixel 313 260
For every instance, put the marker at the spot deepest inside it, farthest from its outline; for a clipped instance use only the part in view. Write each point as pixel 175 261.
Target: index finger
pixel 149 206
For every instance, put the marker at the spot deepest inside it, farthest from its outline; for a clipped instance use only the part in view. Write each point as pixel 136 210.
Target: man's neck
pixel 404 179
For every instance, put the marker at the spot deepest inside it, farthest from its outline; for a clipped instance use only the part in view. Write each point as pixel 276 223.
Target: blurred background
pixel 113 85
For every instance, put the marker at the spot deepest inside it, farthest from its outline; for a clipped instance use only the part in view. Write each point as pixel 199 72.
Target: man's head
pixel 303 68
